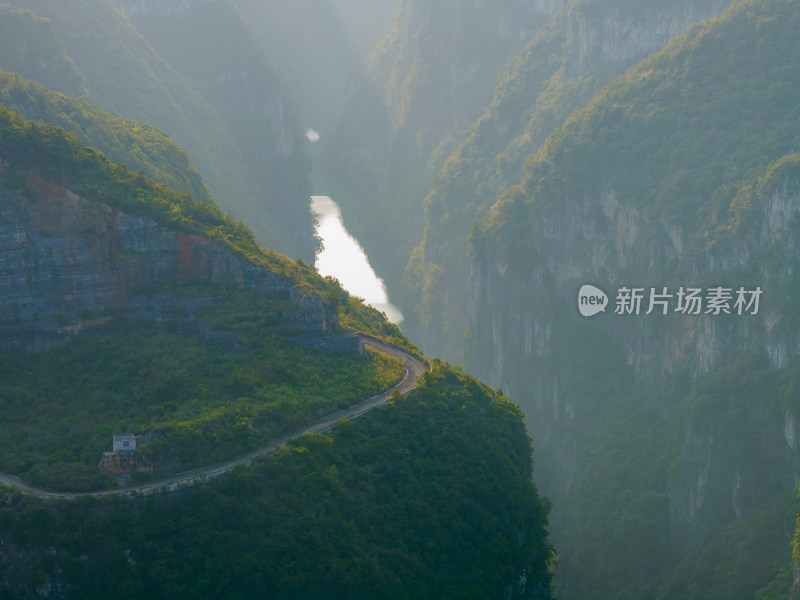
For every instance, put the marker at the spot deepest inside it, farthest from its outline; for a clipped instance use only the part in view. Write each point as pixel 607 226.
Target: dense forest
pixel 428 497
pixel 140 147
pixel 215 345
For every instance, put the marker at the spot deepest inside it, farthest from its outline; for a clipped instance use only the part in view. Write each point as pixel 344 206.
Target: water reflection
pixel 343 258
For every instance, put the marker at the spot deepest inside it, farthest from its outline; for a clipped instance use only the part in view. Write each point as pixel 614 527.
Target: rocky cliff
pixel 604 239
pixel 68 262
pixel 420 90
pixel 725 444
pixel 605 33
pixel 559 70
pixel 679 426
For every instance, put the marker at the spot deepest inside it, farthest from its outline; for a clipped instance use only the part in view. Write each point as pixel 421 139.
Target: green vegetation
pixel 421 89
pixel 607 464
pixel 532 97
pixel 207 402
pixel 49 153
pixel 632 454
pixel 29 46
pixel 667 483
pixel 742 212
pixel 429 497
pixel 678 132
pixel 212 45
pixel 354 314
pixel 744 558
pixel 212 382
pixel 139 146
pixel 558 72
pixel 124 75
pixel 736 415
pixel 37 153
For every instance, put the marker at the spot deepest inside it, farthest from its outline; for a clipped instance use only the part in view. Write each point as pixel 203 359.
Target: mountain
pixel 429 497
pixel 610 231
pixel 585 46
pixel 137 145
pixel 319 46
pixel 366 21
pixel 128 306
pixel 308 42
pixel 124 75
pixel 420 90
pixel 211 44
pixel 666 441
pixel 31 47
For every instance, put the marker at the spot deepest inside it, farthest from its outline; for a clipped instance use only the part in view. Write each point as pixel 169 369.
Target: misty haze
pixel 400 299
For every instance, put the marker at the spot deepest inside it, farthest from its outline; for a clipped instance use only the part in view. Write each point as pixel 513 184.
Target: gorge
pixel 170 262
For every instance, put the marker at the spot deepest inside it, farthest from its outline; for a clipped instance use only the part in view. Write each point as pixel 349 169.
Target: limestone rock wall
pixel 64 259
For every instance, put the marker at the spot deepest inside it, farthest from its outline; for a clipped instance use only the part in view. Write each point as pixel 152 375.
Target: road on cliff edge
pixel 415 366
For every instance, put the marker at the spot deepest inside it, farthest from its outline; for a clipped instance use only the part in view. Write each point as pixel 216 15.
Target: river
pixel 343 258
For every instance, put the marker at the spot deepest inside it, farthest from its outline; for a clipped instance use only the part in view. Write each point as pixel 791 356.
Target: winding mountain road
pixel 415 366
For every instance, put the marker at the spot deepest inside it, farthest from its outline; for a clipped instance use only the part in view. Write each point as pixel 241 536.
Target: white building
pixel 124 442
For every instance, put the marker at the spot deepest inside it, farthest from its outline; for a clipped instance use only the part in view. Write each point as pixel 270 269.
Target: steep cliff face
pixel 681 422
pixel 68 262
pixel 723 475
pixel 606 240
pixel 421 88
pixel 603 34
pixel 730 446
pixel 585 47
pixel 523 316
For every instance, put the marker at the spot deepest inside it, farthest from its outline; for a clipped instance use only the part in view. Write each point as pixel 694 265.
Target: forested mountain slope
pixel 585 46
pixel 123 74
pixel 128 306
pixel 87 245
pixel 428 497
pixel 29 46
pixel 211 44
pixel 421 89
pixel 137 145
pixel 675 431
